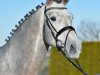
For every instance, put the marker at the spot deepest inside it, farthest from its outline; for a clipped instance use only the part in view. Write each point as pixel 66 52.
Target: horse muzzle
pixel 71 47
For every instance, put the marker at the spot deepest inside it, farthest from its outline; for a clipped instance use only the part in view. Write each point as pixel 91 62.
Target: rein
pixel 61 46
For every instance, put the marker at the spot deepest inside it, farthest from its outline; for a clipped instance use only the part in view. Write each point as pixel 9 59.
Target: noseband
pixel 61 46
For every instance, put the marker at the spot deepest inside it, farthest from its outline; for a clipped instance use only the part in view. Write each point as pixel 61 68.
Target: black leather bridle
pixel 61 46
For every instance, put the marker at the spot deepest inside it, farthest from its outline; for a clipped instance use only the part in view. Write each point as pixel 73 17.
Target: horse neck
pixel 26 51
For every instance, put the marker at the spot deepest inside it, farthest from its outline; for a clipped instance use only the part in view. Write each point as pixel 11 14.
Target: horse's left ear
pixel 65 1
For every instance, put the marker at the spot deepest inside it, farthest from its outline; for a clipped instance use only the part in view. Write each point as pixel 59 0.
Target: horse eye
pixel 53 18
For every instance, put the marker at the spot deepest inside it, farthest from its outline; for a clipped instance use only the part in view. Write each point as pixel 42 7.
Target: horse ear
pixel 49 2
pixel 65 1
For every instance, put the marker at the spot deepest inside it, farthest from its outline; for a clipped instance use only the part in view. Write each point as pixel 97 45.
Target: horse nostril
pixel 72 49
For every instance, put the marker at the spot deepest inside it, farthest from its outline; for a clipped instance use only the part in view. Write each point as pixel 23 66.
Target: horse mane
pixel 26 17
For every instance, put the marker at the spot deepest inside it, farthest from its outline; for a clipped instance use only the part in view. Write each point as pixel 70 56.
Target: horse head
pixel 58 30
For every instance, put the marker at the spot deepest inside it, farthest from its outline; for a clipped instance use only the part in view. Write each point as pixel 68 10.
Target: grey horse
pixel 25 51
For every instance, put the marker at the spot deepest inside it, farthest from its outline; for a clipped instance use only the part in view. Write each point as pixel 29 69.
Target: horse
pixel 26 49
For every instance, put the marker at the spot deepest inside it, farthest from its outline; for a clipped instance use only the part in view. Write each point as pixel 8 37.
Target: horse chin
pixel 74 56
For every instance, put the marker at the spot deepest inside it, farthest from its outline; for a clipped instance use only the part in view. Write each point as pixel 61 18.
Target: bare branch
pixel 89 31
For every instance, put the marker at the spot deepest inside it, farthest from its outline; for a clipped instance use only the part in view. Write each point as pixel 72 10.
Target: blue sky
pixel 11 11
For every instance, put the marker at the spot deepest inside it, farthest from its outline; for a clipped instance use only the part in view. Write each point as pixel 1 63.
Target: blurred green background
pixel 89 60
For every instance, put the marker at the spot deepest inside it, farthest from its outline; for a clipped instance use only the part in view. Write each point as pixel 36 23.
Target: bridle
pixel 61 46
